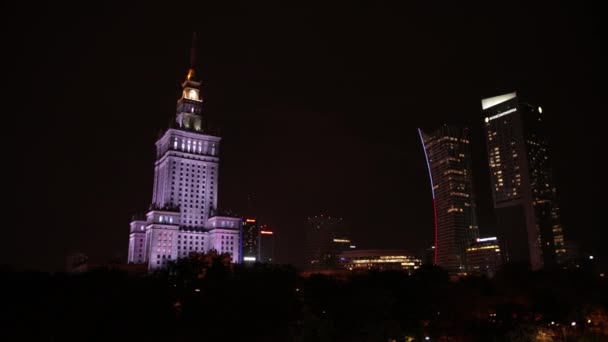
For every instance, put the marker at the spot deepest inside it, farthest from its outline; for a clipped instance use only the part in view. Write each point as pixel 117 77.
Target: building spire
pixel 191 70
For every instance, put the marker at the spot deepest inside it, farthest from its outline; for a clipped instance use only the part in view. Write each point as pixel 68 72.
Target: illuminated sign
pixel 493 238
pixel 501 114
pixel 250 220
pixel 248 258
pixel 266 232
pixel 342 240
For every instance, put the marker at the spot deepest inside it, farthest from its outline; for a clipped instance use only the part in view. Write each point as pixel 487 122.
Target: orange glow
pixel 250 220
pixel 190 74
pixel 266 232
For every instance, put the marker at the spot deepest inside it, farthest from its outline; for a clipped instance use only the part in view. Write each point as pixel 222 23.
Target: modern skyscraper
pixel 266 245
pixel 183 214
pixel 251 236
pixel 448 157
pixel 326 237
pixel 527 213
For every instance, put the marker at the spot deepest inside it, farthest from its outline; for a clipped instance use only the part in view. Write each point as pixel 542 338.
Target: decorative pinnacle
pixel 191 71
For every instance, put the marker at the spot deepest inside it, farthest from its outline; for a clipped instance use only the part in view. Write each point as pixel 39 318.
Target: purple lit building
pixel 183 214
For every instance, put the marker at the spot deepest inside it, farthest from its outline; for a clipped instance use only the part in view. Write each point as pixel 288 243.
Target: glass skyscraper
pixel 448 156
pixel 523 191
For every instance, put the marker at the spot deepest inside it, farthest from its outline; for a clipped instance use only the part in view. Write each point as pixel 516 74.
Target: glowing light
pixel 493 101
pixel 493 238
pixel 197 290
pixel 266 232
pixel 573 324
pixel 591 257
pixel 342 240
pixel 190 74
pixel 487 119
pixel 501 114
pixel 589 321
pixel 248 258
pixel 250 220
pixel 540 109
pixel 427 338
pixel 428 165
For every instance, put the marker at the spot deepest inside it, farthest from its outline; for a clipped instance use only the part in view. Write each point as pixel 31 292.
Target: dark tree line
pixel 206 298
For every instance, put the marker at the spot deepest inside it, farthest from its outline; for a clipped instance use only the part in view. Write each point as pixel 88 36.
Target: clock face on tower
pixel 193 94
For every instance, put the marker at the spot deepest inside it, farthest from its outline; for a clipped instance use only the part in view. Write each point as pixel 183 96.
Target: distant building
pixel 448 155
pixel 524 194
pixel 266 245
pixel 76 263
pixel 251 236
pixel 572 254
pixel 183 216
pixel 326 237
pixel 379 259
pixel 484 257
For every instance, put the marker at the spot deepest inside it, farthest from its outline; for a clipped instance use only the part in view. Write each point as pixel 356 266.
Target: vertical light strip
pixel 428 165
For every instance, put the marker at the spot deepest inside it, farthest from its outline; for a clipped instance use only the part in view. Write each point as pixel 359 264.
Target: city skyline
pixel 307 127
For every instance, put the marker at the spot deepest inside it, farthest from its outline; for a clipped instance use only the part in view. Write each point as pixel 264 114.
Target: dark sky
pixel 318 107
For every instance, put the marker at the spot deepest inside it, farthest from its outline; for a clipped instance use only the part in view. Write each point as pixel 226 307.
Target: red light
pixel 250 220
pixel 266 232
pixel 436 237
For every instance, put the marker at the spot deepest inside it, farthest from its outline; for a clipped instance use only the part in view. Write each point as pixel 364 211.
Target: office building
pixel 251 236
pixel 483 257
pixel 266 245
pixel 326 237
pixel 448 156
pixel 524 194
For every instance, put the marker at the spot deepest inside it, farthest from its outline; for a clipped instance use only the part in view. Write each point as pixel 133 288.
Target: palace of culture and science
pixel 183 214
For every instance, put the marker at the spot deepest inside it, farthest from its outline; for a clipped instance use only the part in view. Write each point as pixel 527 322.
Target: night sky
pixel 318 108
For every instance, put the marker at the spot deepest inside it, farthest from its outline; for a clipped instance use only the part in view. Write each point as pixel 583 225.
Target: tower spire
pixel 191 70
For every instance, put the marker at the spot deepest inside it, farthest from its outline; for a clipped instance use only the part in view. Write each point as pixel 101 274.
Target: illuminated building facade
pixel 483 256
pixel 326 237
pixel 523 191
pixel 266 245
pixel 379 259
pixel 183 214
pixel 251 236
pixel 448 156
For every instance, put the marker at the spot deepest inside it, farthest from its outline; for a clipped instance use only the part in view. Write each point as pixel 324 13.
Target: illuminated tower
pixel 448 156
pixel 527 213
pixel 183 214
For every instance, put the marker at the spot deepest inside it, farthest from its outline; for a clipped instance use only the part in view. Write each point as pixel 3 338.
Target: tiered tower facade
pixel 183 213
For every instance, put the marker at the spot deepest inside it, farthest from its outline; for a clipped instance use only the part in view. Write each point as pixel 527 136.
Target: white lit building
pixel 183 214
